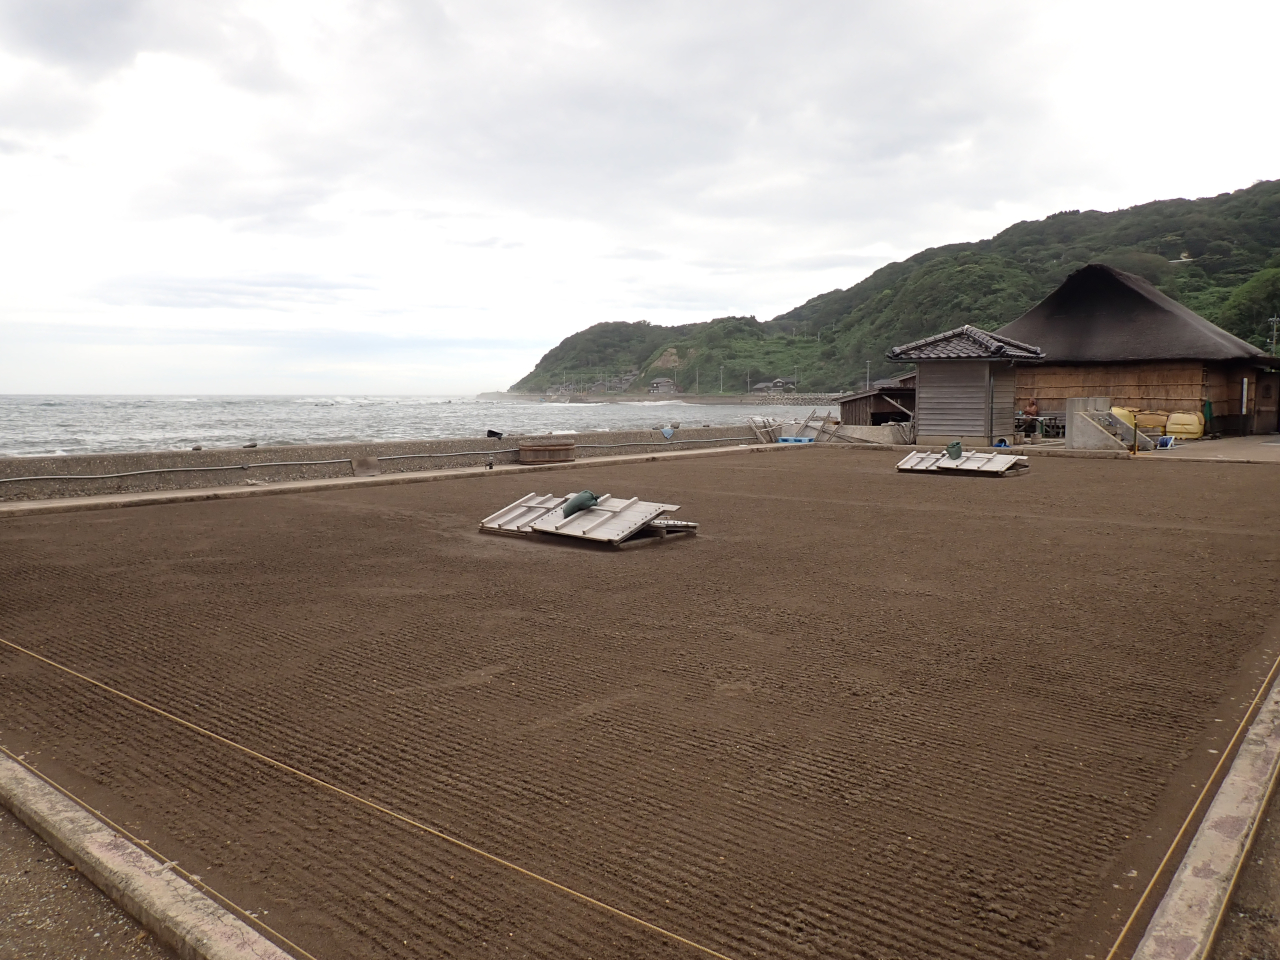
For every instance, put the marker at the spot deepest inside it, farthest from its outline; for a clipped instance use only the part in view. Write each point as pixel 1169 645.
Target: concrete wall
pixel 1076 405
pixel 1087 434
pixel 263 464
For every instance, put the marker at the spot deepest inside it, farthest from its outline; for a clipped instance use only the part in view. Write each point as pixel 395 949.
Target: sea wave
pixel 59 424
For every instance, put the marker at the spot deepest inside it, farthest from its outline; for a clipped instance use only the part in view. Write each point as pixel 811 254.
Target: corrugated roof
pixel 1104 315
pixel 965 343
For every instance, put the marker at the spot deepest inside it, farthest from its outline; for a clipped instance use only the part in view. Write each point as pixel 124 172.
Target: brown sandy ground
pixel 862 714
pixel 49 911
pixel 1251 930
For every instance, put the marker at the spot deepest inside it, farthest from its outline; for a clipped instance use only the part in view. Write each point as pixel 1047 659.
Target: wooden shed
pixel 965 383
pixel 1107 333
pixel 888 401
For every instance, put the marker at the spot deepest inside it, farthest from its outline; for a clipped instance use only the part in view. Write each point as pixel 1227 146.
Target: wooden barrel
pixel 546 451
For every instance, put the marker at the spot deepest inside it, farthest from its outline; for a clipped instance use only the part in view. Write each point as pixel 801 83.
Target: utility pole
pixel 722 378
pixel 748 381
pixel 1275 322
pixel 868 374
pixel 697 372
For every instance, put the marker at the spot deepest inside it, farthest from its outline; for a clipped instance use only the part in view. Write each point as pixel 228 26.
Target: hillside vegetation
pixel 1218 255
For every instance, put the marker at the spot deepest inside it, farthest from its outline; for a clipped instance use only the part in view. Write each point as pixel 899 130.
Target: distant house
pixel 779 385
pixel 888 401
pixel 1106 333
pixel 965 383
pixel 662 385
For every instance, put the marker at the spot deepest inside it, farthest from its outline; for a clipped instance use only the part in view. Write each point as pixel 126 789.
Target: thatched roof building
pixel 1107 333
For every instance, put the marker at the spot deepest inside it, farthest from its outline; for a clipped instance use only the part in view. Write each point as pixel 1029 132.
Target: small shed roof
pixel 906 383
pixel 1101 314
pixel 965 343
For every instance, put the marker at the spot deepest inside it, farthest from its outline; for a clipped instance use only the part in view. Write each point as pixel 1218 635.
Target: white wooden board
pixel 611 520
pixel 517 518
pixel 970 461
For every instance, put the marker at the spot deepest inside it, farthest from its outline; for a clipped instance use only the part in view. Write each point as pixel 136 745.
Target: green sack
pixel 954 449
pixel 580 501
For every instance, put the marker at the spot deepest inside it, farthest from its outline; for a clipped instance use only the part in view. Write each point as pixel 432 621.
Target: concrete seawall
pixel 67 476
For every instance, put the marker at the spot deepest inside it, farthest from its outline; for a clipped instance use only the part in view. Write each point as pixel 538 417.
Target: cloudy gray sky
pixel 422 197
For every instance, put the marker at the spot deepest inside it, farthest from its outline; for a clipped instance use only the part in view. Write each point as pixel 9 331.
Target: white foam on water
pixel 44 425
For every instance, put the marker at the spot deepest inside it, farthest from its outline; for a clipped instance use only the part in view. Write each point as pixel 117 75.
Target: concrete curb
pixel 1033 451
pixel 1158 457
pixel 180 916
pixel 28 508
pixel 1187 919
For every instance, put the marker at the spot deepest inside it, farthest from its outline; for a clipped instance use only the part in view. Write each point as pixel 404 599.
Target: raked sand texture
pixel 861 714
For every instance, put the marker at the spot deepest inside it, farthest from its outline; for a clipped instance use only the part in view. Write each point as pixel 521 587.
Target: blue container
pixel 795 439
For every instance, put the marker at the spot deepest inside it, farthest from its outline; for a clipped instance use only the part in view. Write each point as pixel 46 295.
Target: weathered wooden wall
pixel 875 409
pixel 1267 408
pixel 1224 386
pixel 951 398
pixel 1173 385
pixel 1003 399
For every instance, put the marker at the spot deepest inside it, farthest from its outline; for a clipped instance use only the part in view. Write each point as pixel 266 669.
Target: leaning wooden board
pixel 970 462
pixel 611 520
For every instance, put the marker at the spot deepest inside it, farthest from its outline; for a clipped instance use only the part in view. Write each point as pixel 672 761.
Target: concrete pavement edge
pixel 1187 920
pixel 178 914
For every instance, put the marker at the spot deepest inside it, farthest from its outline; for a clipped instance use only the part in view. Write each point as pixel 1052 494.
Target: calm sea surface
pixel 40 425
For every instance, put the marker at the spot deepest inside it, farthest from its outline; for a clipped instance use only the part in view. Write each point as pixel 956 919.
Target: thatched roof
pixel 964 343
pixel 1104 315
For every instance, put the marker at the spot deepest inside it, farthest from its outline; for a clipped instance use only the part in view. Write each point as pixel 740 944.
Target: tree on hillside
pixel 1250 306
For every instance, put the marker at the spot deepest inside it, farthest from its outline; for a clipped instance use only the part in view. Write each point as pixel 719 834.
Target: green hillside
pixel 1226 253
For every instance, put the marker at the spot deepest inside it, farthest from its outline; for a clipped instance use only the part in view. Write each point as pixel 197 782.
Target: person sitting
pixel 1030 413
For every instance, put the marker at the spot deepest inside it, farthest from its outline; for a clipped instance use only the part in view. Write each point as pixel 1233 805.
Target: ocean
pixel 32 425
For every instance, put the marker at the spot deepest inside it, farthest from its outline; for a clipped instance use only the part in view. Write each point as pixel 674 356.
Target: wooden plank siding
pixel 1224 384
pixel 1266 417
pixel 856 412
pixel 876 409
pixel 1172 385
pixel 951 398
pixel 1004 399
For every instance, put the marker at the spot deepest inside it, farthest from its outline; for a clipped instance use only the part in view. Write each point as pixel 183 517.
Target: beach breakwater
pixel 39 478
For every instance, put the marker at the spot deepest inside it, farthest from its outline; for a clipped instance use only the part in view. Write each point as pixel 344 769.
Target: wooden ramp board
pixel 612 520
pixel 970 462
pixel 516 519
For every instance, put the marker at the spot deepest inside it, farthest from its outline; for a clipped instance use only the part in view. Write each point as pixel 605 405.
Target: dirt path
pixel 861 714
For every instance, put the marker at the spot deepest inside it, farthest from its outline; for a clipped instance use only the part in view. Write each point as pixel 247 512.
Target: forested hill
pixel 1227 268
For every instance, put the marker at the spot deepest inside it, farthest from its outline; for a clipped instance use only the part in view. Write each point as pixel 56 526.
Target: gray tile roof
pixel 965 343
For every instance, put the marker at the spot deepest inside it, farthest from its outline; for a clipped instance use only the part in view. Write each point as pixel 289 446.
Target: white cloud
pixel 510 172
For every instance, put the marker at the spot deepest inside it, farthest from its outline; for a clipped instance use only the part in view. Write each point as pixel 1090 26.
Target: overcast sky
pixel 422 197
